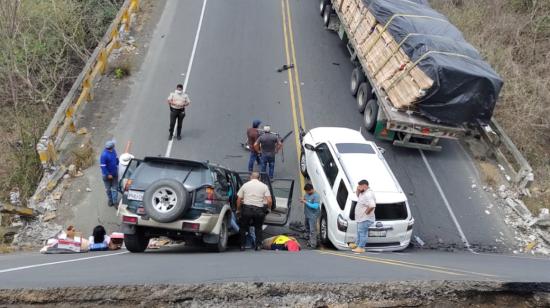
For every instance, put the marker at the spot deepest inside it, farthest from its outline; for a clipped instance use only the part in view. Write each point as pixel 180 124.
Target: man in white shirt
pixel 364 215
pixel 178 101
pixel 250 204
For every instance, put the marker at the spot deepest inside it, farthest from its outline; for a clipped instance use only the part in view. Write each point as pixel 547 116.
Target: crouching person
pixel 99 239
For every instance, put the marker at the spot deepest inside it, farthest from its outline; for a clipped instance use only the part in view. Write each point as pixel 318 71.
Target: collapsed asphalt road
pixel 232 78
pixel 392 294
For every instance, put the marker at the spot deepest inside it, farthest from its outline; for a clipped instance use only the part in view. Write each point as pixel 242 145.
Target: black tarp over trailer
pixel 465 87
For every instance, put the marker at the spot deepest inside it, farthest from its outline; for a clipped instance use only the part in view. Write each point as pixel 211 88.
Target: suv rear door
pixel 281 193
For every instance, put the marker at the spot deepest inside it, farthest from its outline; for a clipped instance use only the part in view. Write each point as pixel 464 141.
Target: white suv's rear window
pixel 385 211
pixel 391 211
pixel 359 148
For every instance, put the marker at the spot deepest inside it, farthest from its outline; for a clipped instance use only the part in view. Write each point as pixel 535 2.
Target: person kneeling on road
pixel 311 202
pixel 99 239
pixel 281 242
pixel 250 206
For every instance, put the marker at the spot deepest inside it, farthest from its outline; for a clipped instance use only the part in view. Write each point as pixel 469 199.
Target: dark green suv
pixel 187 200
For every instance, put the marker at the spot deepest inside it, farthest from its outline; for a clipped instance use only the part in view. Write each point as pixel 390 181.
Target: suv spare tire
pixel 166 200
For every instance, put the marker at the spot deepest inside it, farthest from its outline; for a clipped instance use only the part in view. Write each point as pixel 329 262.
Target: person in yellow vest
pixel 178 101
pixel 281 242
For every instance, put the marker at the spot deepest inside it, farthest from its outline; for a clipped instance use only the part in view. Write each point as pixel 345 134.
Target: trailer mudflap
pixel 381 132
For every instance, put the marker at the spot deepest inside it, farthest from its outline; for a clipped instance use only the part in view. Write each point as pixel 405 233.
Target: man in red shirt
pixel 252 135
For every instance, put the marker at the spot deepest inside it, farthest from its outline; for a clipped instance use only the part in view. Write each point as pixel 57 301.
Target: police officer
pixel 268 145
pixel 178 101
pixel 250 206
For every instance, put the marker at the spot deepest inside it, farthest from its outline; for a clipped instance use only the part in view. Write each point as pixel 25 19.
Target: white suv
pixel 336 159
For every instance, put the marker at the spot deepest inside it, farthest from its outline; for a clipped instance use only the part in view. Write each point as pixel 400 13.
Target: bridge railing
pixel 82 90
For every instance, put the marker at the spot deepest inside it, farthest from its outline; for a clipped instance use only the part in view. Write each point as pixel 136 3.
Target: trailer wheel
pixel 322 5
pixel 357 78
pixel 371 115
pixel 364 93
pixel 326 14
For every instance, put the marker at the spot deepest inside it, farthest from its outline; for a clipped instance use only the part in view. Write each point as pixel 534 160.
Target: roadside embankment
pixel 387 294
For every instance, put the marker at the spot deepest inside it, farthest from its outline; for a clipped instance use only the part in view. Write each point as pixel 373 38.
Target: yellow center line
pixel 296 71
pixel 426 266
pixel 387 262
pixel 291 88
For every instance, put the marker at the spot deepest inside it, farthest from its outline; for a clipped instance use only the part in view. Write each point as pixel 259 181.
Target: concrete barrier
pixel 82 90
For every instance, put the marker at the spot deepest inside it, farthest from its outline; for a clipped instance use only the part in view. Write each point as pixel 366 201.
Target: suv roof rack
pixel 175 161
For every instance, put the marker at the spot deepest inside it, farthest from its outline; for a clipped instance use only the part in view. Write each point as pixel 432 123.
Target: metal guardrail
pixel 507 154
pixel 82 90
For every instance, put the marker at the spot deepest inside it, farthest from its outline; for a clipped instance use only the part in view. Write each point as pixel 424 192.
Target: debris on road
pixel 82 131
pixel 48 216
pixel 285 67
pixel 15 197
pixel 419 240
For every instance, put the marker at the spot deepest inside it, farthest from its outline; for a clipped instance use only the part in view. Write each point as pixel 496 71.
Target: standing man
pixel 364 215
pixel 177 101
pixel 250 205
pixel 268 145
pixel 108 162
pixel 252 135
pixel 311 203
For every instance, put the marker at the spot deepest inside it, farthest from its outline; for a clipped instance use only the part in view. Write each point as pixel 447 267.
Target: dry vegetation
pixel 514 37
pixel 43 46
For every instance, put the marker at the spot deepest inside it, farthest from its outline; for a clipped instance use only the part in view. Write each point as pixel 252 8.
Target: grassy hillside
pixel 43 47
pixel 514 37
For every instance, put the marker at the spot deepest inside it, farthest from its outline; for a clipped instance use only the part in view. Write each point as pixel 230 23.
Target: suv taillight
pixel 205 195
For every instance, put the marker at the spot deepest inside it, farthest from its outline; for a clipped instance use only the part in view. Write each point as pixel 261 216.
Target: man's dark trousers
pixel 252 216
pixel 268 164
pixel 178 114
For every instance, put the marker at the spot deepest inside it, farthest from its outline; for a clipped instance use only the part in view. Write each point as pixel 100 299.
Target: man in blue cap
pixel 252 135
pixel 108 162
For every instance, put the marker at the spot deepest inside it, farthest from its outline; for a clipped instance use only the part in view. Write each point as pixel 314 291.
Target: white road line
pixel 464 239
pixel 169 148
pixel 13 269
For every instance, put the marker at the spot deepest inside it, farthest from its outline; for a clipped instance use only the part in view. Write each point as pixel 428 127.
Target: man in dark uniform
pixel 178 101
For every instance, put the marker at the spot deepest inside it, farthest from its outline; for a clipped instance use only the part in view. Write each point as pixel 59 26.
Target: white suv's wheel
pixel 323 228
pixel 303 166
